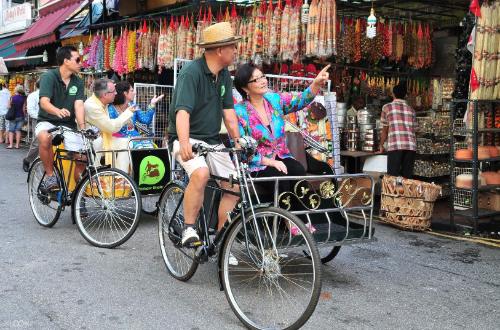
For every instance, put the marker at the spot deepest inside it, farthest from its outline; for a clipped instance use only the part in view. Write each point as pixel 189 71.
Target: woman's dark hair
pixel 122 87
pixel 242 76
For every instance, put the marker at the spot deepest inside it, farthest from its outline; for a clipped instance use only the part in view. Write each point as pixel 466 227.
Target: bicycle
pixel 276 280
pixel 105 203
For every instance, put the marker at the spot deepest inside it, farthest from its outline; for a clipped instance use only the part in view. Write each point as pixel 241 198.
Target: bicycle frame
pixel 65 197
pixel 209 247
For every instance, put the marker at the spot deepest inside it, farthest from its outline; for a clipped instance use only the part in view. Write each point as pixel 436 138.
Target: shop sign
pixel 151 170
pixel 16 17
pixel 45 3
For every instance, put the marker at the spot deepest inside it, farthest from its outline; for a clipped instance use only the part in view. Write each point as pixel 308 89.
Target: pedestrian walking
pixel 18 102
pixel 4 107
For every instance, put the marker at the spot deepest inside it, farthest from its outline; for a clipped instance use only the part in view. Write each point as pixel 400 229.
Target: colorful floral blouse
pixel 128 130
pixel 272 142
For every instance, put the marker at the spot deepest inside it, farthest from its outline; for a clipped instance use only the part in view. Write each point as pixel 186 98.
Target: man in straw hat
pixel 202 98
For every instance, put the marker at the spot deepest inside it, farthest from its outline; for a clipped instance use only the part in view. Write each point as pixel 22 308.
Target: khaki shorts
pixel 219 163
pixel 72 141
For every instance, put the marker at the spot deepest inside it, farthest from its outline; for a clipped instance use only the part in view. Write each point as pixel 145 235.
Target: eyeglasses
pixel 257 79
pixel 77 60
pixel 111 92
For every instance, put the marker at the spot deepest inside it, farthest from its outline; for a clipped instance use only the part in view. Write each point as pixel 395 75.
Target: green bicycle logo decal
pixel 152 170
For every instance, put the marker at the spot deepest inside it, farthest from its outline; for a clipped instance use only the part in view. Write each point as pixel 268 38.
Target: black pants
pixel 401 163
pixel 294 168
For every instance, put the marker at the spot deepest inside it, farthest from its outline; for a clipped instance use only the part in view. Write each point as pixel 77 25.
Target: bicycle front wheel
pixel 268 281
pixel 179 260
pixel 46 206
pixel 107 208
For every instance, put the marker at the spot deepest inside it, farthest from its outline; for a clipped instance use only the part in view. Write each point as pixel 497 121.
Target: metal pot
pixel 364 117
pixel 366 128
pixel 341 108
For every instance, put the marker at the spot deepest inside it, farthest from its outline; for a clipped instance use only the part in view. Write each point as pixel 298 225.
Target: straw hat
pixel 218 35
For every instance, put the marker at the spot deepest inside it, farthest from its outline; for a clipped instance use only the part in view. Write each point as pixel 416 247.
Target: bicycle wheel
pixel 46 207
pixel 107 208
pixel 277 286
pixel 178 260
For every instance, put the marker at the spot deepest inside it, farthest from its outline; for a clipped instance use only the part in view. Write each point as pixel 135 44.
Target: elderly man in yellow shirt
pixel 96 114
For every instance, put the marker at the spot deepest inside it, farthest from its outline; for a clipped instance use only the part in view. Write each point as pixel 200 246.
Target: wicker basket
pixel 408 204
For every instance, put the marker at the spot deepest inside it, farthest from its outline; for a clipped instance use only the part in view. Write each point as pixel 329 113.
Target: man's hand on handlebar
pixel 186 151
pixel 61 113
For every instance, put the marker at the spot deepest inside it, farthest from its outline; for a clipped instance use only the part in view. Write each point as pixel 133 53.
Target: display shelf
pixel 490 187
pixel 496 159
pixel 469 198
pixel 481 213
pixel 431 176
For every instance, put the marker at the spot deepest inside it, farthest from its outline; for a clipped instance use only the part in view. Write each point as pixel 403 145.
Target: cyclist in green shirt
pixel 201 99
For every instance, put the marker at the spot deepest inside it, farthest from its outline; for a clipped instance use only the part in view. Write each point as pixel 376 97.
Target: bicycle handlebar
pixel 248 147
pixel 88 133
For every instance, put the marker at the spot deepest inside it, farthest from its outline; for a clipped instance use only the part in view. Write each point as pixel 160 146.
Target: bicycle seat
pixel 57 139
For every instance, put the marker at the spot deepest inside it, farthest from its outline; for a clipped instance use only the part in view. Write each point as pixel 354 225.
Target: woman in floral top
pixel 260 115
pixel 124 96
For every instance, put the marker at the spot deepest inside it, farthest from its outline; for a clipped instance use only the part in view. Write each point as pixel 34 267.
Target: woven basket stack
pixel 408 204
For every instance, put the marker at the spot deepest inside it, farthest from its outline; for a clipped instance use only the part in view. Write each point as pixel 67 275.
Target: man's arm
pixel 383 137
pixel 231 122
pixel 80 114
pixel 96 116
pixel 182 128
pixel 53 110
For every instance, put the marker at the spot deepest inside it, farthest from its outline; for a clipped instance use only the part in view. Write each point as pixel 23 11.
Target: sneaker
pixel 50 183
pixel 232 260
pixel 189 235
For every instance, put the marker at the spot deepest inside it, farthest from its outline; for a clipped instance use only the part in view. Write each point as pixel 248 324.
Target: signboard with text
pixel 151 169
pixel 17 17
pixel 45 3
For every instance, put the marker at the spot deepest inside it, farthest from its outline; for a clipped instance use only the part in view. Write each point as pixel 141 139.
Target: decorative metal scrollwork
pixel 351 192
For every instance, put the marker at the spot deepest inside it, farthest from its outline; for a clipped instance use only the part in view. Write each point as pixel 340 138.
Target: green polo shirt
pixel 204 97
pixel 52 86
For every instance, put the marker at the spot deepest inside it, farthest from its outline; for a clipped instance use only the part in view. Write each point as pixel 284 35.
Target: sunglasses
pixel 257 79
pixel 77 60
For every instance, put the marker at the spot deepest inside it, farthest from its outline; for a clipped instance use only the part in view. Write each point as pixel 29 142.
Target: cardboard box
pixel 489 201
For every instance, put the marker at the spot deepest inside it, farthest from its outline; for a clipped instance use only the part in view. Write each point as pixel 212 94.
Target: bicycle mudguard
pixel 178 182
pixel 31 169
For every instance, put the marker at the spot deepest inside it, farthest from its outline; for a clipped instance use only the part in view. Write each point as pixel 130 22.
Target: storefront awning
pixel 7 49
pixel 43 31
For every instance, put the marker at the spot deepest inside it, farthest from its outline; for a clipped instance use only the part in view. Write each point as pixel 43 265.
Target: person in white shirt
pixel 33 106
pixel 4 103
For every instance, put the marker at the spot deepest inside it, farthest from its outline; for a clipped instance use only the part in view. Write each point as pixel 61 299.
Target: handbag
pixel 11 113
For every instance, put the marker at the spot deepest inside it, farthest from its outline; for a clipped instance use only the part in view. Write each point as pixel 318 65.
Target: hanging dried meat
pixel 275 31
pixel 285 30
pixel 162 44
pixel 357 41
pixel 258 36
pixel 387 35
pixel 311 27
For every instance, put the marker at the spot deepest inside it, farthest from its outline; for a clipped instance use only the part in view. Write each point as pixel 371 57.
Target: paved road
pixel 52 279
